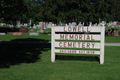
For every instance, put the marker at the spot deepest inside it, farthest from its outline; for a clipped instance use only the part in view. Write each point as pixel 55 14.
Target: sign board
pixel 84 34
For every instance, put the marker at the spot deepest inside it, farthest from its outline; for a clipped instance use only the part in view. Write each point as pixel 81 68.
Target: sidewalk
pixel 112 44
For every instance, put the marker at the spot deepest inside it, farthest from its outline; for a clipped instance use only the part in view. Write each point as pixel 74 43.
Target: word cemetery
pixel 78 33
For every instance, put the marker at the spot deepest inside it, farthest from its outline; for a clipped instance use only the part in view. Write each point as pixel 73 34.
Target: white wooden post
pixel 52 45
pixel 102 45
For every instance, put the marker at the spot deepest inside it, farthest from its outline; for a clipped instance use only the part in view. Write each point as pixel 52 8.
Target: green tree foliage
pixel 12 10
pixel 64 11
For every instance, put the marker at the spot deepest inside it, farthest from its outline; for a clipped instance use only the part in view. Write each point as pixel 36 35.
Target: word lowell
pixel 76 29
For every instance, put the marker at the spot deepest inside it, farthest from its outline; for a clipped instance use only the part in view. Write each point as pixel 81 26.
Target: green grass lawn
pixel 33 62
pixel 40 37
pixel 45 37
pixel 112 39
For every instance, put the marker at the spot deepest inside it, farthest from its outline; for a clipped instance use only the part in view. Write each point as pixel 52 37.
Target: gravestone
pixel 25 25
pixel 23 30
pixel 74 24
pixel 113 32
pixel 30 23
pixel 70 24
pixel 66 25
pixel 41 29
pixel 118 23
pixel 39 25
pixel 4 24
pixel 2 33
pixel 11 25
pixel 34 26
pixel 18 24
pixel 90 24
pixel 1 24
pixel 63 25
pixel 49 25
pixel 44 25
pixel 59 24
pixel 33 34
pixel 53 25
pixel 17 33
pixel 106 25
pixel 79 24
pixel 115 22
pixel 103 22
pixel 83 24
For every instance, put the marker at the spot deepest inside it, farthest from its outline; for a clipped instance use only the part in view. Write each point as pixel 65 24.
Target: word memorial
pixel 87 37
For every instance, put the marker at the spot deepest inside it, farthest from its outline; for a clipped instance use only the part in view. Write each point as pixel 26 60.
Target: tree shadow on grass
pixel 30 39
pixel 6 29
pixel 16 53
pixel 77 58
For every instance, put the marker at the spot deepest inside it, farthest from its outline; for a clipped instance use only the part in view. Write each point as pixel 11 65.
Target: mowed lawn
pixel 26 37
pixel 30 61
pixel 33 62
pixel 45 37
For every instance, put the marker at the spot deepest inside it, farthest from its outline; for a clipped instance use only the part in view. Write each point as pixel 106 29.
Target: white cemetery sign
pixel 69 36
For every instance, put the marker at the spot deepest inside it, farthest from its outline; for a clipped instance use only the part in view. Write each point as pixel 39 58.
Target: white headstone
pixel 83 23
pixel 11 25
pixel 34 26
pixel 114 23
pixel 18 24
pixel 2 33
pixel 30 22
pixel 33 34
pixel 74 24
pixel 70 24
pixel 66 25
pixel 79 24
pixel 90 24
pixel 49 25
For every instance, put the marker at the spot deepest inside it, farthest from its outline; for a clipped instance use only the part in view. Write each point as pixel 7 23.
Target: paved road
pixel 112 44
pixel 36 42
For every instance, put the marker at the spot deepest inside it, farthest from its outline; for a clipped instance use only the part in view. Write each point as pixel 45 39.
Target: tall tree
pixel 12 10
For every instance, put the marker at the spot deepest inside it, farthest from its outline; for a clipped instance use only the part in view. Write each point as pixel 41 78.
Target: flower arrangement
pixel 22 27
